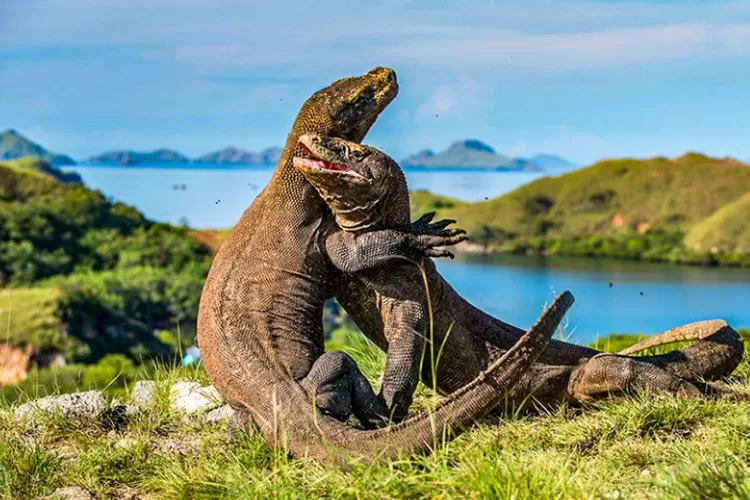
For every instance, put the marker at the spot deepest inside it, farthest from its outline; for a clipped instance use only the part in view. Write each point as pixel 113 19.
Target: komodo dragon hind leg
pixel 607 375
pixel 340 389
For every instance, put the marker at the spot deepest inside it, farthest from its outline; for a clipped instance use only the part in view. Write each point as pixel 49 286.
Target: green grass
pixel 641 447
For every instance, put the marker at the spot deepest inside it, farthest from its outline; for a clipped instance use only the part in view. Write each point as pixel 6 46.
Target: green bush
pixel 48 229
pixel 122 310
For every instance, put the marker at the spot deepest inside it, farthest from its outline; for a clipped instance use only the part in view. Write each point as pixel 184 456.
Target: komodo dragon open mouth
pixel 316 157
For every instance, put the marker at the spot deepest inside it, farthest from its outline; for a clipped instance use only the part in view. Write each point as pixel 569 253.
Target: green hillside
pixel 728 228
pixel 621 208
pixel 422 201
pixel 85 277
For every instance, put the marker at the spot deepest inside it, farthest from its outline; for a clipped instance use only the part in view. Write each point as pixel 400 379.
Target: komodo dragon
pixel 260 315
pixel 366 190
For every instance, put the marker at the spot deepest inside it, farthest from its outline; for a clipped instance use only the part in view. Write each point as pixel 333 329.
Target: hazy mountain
pixel 14 145
pixel 231 154
pixel 553 162
pixel 469 153
pixel 139 158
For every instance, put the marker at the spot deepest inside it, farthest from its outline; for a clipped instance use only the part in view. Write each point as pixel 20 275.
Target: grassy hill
pixel 31 165
pixel 728 228
pixel 623 208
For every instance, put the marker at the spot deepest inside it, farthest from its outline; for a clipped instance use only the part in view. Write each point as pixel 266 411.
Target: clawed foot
pixel 429 235
pixel 426 245
pixel 425 226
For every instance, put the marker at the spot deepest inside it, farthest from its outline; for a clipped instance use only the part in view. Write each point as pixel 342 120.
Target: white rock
pixel 143 393
pixel 191 397
pixel 221 414
pixel 78 405
pixel 70 493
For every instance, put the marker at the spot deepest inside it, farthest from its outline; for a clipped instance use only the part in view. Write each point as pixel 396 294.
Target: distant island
pixel 234 155
pixel 13 145
pixel 140 158
pixel 553 163
pixel 474 154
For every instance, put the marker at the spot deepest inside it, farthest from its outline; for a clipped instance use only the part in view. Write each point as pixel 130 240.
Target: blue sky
pixel 584 79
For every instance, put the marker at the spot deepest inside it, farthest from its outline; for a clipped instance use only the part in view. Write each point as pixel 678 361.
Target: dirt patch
pixel 617 221
pixel 14 364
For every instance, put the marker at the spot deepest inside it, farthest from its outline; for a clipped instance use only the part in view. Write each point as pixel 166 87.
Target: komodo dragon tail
pixel 304 431
pixel 692 332
pixel 718 352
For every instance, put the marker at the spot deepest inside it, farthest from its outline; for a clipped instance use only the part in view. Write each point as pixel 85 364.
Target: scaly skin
pixel 387 304
pixel 259 322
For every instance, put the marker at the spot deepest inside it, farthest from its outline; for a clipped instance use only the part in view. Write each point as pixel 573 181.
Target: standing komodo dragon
pixel 260 317
pixel 366 190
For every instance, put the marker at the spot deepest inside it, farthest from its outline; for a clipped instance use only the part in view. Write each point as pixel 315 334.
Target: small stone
pixel 126 493
pixel 184 447
pixel 143 393
pixel 191 397
pixel 70 493
pixel 221 414
pixel 126 442
pixel 78 405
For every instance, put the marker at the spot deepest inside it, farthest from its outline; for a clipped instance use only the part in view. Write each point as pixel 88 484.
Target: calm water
pixel 645 298
pixel 515 289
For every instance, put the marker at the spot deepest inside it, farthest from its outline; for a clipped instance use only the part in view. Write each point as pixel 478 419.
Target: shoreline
pixel 469 248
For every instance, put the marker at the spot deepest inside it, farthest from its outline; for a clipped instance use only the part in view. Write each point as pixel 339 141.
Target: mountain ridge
pixel 14 145
pixel 475 154
pixel 234 155
pixel 132 158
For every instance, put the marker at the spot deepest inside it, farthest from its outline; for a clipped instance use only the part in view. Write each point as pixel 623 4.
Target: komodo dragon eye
pixel 357 154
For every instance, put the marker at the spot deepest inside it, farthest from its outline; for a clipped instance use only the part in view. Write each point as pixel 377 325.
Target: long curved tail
pixel 294 424
pixel 718 352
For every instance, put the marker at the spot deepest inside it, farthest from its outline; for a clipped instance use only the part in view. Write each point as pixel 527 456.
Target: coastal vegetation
pixel 691 209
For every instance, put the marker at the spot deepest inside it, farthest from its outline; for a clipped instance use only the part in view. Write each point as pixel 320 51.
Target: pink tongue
pixel 333 166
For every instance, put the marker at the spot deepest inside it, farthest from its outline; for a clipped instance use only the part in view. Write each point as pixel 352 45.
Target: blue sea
pixel 645 298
